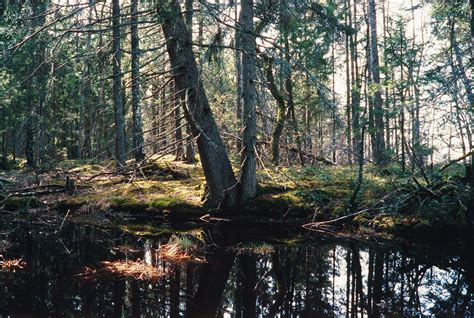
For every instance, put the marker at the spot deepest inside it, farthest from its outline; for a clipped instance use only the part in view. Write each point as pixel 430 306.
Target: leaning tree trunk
pixel 138 142
pixel 117 86
pixel 221 182
pixel 248 177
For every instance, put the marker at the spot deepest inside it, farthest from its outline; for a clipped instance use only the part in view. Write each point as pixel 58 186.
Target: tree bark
pixel 248 176
pixel 138 142
pixel 221 182
pixel 355 82
pixel 471 7
pixel 178 134
pixel 190 155
pixel 238 77
pixel 348 87
pixel 281 111
pixel 379 141
pixel 120 156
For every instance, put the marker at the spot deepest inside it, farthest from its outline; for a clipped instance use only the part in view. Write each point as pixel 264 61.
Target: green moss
pixel 125 203
pixel 314 196
pixel 19 203
pixel 164 202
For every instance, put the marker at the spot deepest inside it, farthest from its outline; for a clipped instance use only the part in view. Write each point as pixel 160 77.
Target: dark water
pixel 322 278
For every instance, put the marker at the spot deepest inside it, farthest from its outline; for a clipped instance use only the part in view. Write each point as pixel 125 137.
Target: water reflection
pixel 321 279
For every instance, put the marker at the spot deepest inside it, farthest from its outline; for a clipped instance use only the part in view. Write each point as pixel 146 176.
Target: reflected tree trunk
pixel 174 292
pixel 212 280
pixel 249 281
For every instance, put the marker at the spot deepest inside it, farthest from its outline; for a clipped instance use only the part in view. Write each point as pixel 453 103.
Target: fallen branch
pixel 456 160
pixel 313 226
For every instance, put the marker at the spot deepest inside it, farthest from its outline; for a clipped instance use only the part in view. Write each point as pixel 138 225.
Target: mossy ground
pixel 304 193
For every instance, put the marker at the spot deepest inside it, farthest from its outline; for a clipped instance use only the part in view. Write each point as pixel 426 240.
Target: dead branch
pixel 456 160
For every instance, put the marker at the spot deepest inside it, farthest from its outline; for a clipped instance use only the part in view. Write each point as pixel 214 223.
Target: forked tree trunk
pixel 221 182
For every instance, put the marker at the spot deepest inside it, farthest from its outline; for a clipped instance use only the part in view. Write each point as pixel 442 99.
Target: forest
pixel 204 148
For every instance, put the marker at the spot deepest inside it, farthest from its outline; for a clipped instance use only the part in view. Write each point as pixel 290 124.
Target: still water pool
pixel 62 274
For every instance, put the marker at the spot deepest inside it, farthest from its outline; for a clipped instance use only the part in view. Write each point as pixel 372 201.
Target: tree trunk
pixel 281 112
pixel 348 87
pixel 379 146
pixel 212 280
pixel 249 281
pixel 238 77
pixel 117 87
pixel 289 85
pixel 178 134
pixel 402 111
pixel 138 142
pixel 248 177
pixel 355 83
pixel 190 155
pixel 221 182
pixel 471 2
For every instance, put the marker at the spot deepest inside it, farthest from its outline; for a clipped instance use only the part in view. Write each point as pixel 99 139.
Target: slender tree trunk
pixel 281 111
pixel 471 2
pixel 289 94
pixel 249 281
pixel 175 286
pixel 402 111
pixel 348 86
pixel 190 155
pixel 221 182
pixel 4 135
pixel 248 177
pixel 334 110
pixel 386 76
pixel 30 140
pixel 120 156
pixel 379 146
pixel 138 142
pixel 238 75
pixel 178 134
pixel 356 83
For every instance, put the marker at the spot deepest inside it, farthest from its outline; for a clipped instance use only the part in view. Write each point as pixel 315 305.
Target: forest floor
pixel 390 203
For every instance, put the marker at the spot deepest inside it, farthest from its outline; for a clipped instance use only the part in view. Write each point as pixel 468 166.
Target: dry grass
pixel 134 269
pixel 180 250
pixel 261 249
pixel 11 264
